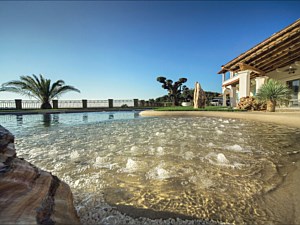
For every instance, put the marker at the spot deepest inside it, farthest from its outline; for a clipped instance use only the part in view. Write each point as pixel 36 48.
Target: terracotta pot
pixel 271 106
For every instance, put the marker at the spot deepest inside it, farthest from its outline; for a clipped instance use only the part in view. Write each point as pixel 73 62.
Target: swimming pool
pixel 203 168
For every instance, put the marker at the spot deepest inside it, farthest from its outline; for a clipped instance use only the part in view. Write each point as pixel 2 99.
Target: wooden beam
pixel 274 45
pixel 264 59
pixel 274 50
pixel 244 66
pixel 282 63
pixel 279 57
pixel 262 55
pixel 226 68
pixel 283 34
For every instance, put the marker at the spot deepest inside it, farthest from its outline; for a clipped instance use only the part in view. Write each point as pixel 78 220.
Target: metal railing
pixel 123 102
pixel 69 104
pixel 7 104
pixel 97 103
pixel 62 104
pixel 31 104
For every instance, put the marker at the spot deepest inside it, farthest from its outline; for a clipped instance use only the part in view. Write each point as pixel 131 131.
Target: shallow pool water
pixel 213 168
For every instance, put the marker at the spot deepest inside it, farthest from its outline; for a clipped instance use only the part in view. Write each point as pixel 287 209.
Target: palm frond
pixel 273 90
pixel 17 90
pixel 19 87
pixel 31 85
pixel 55 86
pixel 63 89
pixel 38 87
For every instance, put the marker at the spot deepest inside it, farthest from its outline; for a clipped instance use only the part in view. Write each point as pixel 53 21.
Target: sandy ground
pixel 291 119
pixel 288 194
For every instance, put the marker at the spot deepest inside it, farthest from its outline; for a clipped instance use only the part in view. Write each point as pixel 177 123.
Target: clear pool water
pixel 221 169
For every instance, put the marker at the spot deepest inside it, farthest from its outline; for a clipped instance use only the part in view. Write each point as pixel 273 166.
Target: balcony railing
pixel 231 80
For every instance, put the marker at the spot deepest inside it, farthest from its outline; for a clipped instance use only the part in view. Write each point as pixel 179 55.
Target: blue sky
pixel 117 49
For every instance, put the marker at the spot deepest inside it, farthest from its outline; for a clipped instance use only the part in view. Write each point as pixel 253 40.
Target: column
pixel 135 102
pixel 223 77
pixel 84 103
pixel 232 96
pixel 142 103
pixel 224 100
pixel 18 103
pixel 110 103
pixel 55 104
pixel 244 83
pixel 224 96
pixel 259 81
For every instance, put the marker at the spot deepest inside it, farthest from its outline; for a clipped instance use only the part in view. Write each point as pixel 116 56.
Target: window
pixel 294 85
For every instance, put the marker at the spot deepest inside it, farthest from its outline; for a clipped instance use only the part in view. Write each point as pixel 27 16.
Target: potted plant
pixel 272 92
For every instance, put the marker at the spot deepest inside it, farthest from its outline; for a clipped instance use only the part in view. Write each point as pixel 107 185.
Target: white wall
pixel 285 76
pixel 244 83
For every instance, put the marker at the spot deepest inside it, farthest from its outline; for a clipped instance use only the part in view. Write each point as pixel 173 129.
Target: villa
pixel 277 57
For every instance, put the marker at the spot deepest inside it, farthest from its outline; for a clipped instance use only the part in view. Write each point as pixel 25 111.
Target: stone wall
pixel 29 195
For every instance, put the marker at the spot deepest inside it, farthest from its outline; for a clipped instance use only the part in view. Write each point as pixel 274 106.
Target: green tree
pixel 164 98
pixel 38 88
pixel 187 94
pixel 273 92
pixel 209 96
pixel 174 89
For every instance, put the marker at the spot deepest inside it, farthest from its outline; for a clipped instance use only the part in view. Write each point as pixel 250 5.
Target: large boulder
pixel 199 96
pixel 251 103
pixel 29 195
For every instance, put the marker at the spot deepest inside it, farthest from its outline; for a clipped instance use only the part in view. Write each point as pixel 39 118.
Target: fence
pixel 7 104
pixel 84 103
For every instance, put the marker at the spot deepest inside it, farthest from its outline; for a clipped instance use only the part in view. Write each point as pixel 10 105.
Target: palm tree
pixel 272 92
pixel 39 88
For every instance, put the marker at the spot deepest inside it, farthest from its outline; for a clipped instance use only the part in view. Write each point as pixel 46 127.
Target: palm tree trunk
pixel 271 104
pixel 46 105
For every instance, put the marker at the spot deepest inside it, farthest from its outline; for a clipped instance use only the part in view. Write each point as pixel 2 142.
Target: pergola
pixel 279 50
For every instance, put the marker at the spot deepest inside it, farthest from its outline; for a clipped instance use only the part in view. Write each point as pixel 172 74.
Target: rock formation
pixel 29 195
pixel 199 96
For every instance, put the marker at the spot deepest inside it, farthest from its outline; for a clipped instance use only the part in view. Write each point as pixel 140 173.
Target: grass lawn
pixel 191 108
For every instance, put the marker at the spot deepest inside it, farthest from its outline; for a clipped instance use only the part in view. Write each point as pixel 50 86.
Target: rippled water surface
pixel 200 167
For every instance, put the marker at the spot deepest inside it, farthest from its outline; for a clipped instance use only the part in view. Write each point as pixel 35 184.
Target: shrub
pixel 273 92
